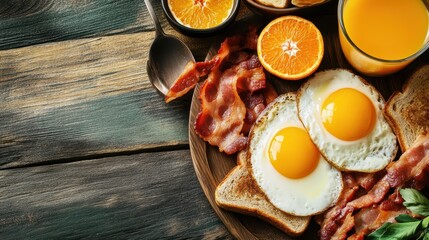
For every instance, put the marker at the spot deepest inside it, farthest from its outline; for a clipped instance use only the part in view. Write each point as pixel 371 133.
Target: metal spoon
pixel 167 57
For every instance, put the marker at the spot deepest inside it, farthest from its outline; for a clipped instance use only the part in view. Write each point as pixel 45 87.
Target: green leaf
pixel 407 227
pixel 415 201
pixel 403 218
pixel 396 231
pixel 425 222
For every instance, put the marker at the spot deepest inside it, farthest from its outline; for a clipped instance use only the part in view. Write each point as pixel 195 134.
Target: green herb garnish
pixel 407 227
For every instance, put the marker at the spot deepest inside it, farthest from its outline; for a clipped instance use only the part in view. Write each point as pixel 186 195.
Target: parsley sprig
pixel 407 227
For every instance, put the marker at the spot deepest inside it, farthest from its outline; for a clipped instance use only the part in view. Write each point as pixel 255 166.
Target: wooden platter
pixel 211 166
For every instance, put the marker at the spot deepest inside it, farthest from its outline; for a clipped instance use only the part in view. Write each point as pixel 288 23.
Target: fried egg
pixel 343 115
pixel 287 166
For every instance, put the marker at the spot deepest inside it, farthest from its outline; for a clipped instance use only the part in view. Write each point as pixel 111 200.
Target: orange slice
pixel 290 47
pixel 200 14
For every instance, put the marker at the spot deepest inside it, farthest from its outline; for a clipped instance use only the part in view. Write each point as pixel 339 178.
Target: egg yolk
pixel 348 114
pixel 292 153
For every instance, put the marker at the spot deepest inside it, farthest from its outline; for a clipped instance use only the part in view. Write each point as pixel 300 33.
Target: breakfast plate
pixel 211 166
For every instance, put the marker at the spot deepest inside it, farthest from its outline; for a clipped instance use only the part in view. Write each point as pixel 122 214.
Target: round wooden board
pixel 211 166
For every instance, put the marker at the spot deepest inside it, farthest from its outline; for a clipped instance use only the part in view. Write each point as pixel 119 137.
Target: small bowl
pixel 192 32
pixel 272 12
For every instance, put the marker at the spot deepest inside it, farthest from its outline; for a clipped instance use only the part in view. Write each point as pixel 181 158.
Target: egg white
pixel 305 196
pixel 369 154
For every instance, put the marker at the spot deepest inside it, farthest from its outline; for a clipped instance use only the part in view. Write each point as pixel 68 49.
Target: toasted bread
pixel 275 3
pixel 239 192
pixel 408 111
pixel 304 3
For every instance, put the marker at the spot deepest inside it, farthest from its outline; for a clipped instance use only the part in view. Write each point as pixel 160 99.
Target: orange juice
pixel 391 32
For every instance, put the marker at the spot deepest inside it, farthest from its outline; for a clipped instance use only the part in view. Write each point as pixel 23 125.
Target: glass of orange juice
pixel 380 37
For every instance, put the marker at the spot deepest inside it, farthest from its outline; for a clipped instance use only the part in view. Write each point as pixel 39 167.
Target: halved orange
pixel 290 47
pixel 200 14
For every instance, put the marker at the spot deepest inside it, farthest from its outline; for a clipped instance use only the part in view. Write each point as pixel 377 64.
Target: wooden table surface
pixel 88 149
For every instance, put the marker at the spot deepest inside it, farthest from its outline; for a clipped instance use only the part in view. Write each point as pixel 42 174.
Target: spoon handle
pixel 158 27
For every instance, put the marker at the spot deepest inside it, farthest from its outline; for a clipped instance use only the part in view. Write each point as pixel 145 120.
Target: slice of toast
pixel 275 3
pixel 239 192
pixel 408 111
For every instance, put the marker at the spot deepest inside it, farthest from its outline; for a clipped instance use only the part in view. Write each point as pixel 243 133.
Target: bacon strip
pixel 373 199
pixel 223 112
pixel 233 95
pixel 189 78
pixel 193 71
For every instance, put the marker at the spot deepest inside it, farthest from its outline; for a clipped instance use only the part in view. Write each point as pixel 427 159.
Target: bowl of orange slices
pixel 200 18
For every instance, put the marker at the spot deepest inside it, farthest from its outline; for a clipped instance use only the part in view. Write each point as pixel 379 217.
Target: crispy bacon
pixel 374 196
pixel 189 78
pixel 233 95
pixel 221 118
pixel 230 51
pixel 342 230
pixel 255 103
pixel 372 199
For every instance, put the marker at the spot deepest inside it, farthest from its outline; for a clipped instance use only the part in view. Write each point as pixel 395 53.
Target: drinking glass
pixel 364 62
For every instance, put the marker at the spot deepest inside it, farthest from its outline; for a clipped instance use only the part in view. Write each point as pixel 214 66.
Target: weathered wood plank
pixel 82 98
pixel 31 22
pixel 143 196
pixel 24 23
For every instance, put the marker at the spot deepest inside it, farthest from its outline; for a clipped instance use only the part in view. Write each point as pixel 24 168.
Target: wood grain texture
pixel 143 196
pixel 31 22
pixel 81 98
pixel 212 166
pixel 25 23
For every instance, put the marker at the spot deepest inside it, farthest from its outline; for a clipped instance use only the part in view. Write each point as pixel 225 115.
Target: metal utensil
pixel 167 56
